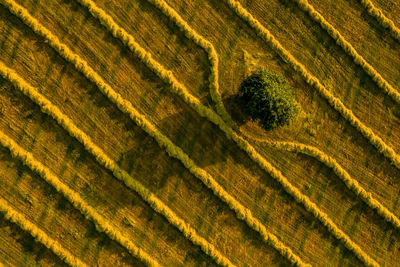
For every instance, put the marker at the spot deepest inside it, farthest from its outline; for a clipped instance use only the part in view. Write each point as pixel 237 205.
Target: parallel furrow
pixel 26 225
pixel 174 151
pixel 241 211
pixel 330 162
pixel 374 139
pixel 53 180
pixel 349 49
pixel 208 48
pixel 381 18
pixel 48 108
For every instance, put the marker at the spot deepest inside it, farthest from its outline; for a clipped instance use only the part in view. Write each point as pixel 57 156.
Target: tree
pixel 267 98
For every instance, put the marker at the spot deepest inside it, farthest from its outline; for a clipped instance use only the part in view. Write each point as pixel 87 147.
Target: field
pixel 122 144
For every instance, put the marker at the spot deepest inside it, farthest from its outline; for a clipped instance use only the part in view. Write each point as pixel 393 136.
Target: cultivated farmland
pixel 122 142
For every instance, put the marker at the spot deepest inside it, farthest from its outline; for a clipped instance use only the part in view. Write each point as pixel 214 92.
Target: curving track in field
pixel 167 76
pixel 375 140
pixel 100 156
pixel 322 157
pixel 223 121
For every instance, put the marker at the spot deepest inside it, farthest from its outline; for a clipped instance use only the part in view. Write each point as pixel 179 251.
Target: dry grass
pixel 183 120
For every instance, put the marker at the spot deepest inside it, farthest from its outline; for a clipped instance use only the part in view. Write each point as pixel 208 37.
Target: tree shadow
pixel 236 109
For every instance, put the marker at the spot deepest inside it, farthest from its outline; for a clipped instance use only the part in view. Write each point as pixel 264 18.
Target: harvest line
pixel 163 141
pixel 375 140
pixel 36 232
pixel 208 48
pixel 292 147
pixel 50 109
pixel 73 197
pixel 330 162
pixel 241 211
pixel 381 18
pixel 349 49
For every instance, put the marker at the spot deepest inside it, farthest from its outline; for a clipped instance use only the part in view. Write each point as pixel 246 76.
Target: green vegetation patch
pixel 268 98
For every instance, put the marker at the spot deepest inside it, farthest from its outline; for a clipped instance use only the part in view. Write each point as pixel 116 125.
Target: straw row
pixel 349 49
pixel 375 140
pixel 141 121
pixel 39 235
pixel 48 108
pixel 208 48
pixel 181 90
pixel 341 173
pixel 381 18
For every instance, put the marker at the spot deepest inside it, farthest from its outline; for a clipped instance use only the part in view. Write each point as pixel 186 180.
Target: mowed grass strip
pixel 41 204
pixel 103 159
pixel 318 52
pixel 391 9
pixel 312 80
pixel 163 141
pixel 381 18
pixel 348 48
pixel 22 249
pixel 330 162
pixel 72 196
pixel 319 124
pixel 208 180
pixel 293 147
pixel 19 219
pixel 124 209
pixel 178 190
pixel 326 188
pixel 212 57
pixel 364 41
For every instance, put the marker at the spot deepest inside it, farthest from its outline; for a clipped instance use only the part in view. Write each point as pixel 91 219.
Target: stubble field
pixel 121 143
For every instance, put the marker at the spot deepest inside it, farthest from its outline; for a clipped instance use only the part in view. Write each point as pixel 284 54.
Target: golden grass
pixel 164 142
pixel 17 249
pixel 21 221
pixel 172 150
pixel 289 146
pixel 330 162
pixel 309 78
pixel 212 57
pixel 122 175
pixel 167 132
pixel 168 77
pixel 349 49
pixel 381 18
pixel 72 196
pixel 163 175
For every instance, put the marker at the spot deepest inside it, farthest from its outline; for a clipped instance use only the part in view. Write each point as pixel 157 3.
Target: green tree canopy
pixel 268 98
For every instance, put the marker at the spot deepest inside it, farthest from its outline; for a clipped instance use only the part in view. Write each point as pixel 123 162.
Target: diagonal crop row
pixel 26 225
pixel 349 49
pixel 330 162
pixel 73 197
pixel 174 151
pixel 287 146
pixel 261 31
pixel 381 18
pixel 48 108
pixel 208 48
pixel 207 179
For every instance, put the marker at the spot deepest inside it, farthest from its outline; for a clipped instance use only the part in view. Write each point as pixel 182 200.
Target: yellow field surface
pixel 121 143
